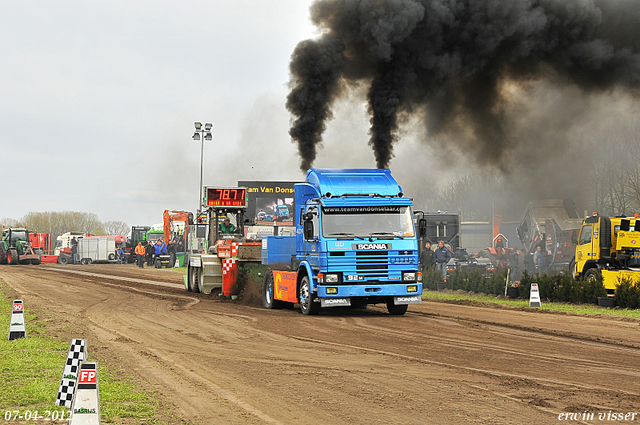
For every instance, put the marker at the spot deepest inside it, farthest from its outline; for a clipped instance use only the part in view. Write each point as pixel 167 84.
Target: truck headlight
pixel 412 288
pixel 331 278
pixel 332 291
pixel 409 276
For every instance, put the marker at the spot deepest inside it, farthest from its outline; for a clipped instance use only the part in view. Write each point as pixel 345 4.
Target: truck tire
pixel 572 268
pixel 35 261
pixel 396 309
pixel 112 257
pixel 307 304
pixel 12 256
pixel 201 281
pixel 63 259
pixel 194 278
pixel 188 281
pixel 268 300
pixel 592 274
pixel 158 263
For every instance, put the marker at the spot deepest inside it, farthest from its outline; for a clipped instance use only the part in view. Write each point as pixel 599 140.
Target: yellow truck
pixel 610 247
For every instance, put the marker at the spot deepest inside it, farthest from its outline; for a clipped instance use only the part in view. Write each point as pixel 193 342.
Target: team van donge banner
pixel 269 202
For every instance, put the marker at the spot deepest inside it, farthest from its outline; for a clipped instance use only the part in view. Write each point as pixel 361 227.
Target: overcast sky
pixel 98 101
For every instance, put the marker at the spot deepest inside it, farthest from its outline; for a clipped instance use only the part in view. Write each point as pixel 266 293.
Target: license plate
pixel 352 277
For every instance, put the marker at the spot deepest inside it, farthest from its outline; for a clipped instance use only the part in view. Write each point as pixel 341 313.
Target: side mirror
pixel 422 228
pixel 308 229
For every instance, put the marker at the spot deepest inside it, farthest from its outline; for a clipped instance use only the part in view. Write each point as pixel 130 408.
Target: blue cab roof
pixel 353 181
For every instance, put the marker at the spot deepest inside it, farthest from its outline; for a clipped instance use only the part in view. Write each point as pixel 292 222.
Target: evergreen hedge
pixel 559 287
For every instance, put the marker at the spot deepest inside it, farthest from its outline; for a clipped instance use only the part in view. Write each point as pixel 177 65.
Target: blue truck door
pixel 312 246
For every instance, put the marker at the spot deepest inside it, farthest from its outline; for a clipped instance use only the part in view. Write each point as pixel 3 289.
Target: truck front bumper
pixel 370 290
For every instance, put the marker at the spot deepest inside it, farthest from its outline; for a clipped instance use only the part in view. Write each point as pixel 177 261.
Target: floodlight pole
pixel 202 134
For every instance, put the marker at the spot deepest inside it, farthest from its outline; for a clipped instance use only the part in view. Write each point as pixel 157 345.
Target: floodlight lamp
pixel 207 136
pixel 198 125
pixel 196 136
pixel 208 126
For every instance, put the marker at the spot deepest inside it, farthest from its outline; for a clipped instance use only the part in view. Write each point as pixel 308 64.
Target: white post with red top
pixel 534 296
pixel 16 326
pixel 86 402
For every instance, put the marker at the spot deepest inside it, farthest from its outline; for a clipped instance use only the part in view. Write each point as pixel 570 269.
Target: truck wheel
pixel 158 263
pixel 188 281
pixel 12 257
pixel 268 299
pixel 194 278
pixel 396 309
pixel 112 257
pixel 63 259
pixel 201 281
pixel 35 261
pixel 307 304
pixel 592 275
pixel 572 269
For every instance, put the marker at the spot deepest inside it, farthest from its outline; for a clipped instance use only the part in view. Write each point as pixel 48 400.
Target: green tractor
pixel 15 248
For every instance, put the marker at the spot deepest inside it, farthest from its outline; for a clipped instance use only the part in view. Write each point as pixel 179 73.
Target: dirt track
pixel 221 362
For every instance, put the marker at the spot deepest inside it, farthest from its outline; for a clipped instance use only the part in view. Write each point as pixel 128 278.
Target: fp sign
pixel 88 377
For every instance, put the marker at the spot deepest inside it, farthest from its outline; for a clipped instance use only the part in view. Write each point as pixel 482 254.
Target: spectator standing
pixel 74 250
pixel 158 248
pixel 149 251
pixel 140 252
pixel 427 257
pixel 538 260
pixel 442 256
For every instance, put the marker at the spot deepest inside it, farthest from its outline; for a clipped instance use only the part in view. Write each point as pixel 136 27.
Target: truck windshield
pixel 390 221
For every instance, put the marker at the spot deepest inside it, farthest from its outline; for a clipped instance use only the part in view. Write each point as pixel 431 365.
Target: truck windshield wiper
pixel 395 235
pixel 345 235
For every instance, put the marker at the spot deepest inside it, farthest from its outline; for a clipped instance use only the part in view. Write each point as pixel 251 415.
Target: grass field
pixel 32 369
pixel 589 309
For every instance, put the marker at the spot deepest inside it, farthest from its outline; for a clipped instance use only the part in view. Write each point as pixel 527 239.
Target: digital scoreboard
pixel 226 197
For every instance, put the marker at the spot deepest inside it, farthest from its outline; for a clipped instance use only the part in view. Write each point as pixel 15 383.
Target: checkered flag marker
pixel 77 354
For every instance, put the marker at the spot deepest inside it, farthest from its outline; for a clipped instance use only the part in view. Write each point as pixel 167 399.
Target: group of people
pixel 437 258
pixel 149 252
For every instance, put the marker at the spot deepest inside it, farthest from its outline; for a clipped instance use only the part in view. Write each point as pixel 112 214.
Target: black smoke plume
pixel 453 61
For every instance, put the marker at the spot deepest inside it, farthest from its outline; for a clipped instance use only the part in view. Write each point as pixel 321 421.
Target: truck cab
pixel 609 247
pixel 355 244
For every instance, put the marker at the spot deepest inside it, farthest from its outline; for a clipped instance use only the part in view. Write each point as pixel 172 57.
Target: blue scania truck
pixel 356 243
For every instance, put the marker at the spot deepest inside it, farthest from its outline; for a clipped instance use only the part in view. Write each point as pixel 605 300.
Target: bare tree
pixel 116 227
pixel 10 222
pixel 57 223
